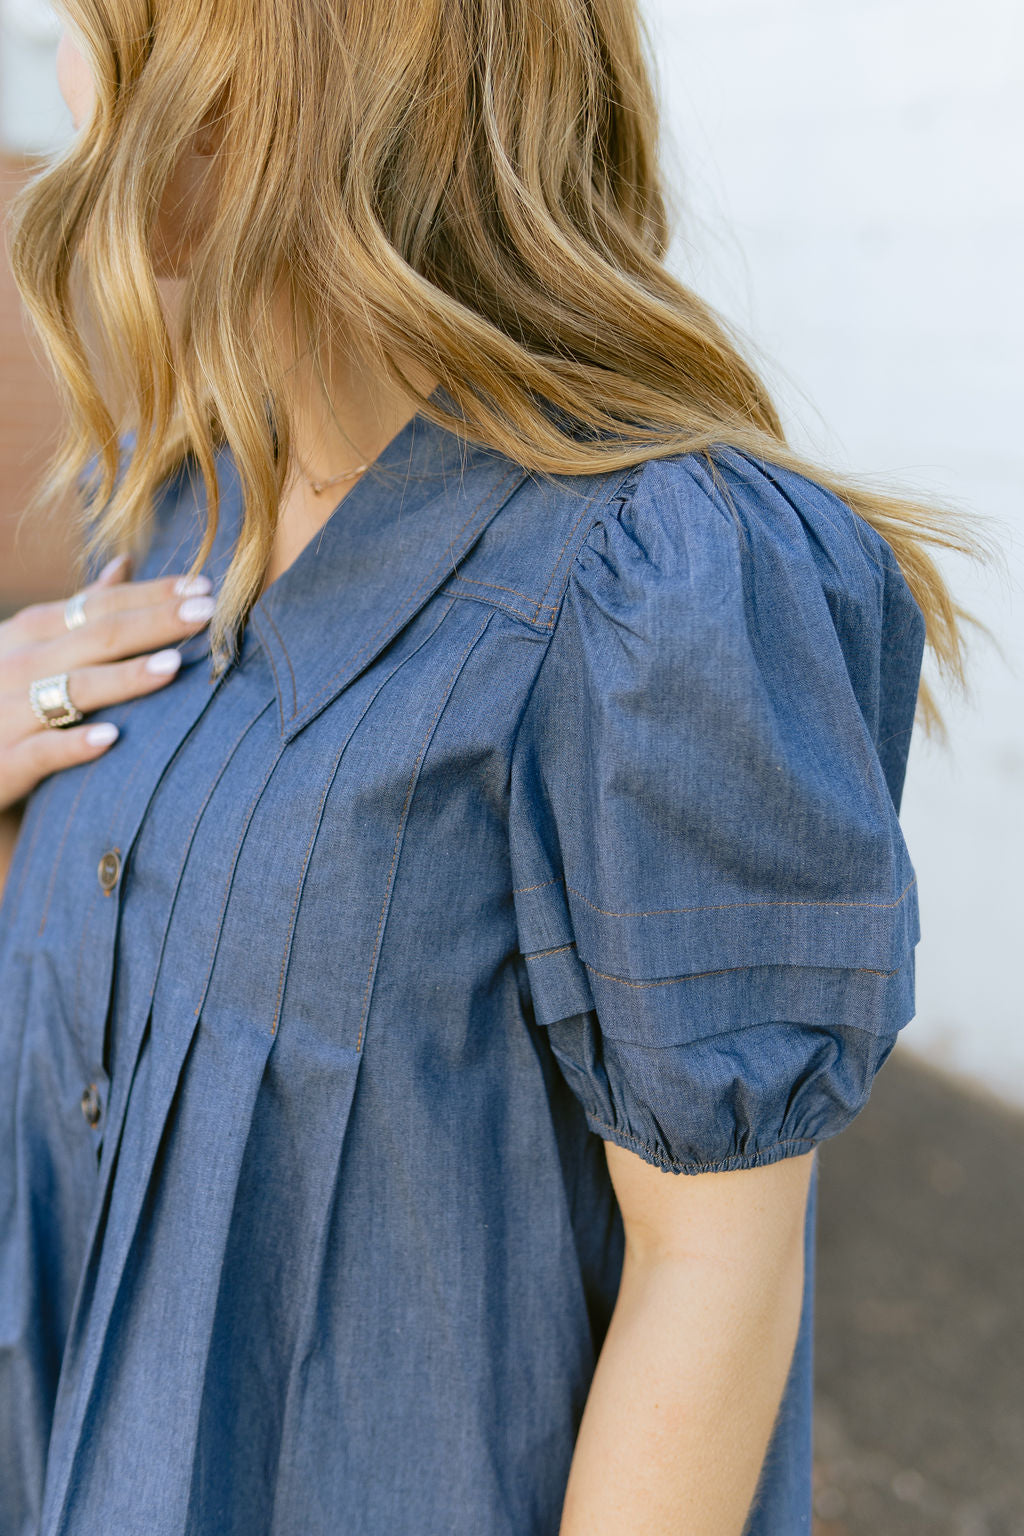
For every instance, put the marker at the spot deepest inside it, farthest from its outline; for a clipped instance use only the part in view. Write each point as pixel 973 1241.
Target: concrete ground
pixel 919 1427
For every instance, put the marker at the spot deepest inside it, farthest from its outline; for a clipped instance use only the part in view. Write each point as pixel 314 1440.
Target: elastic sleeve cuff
pixel 659 1159
pixel 737 1100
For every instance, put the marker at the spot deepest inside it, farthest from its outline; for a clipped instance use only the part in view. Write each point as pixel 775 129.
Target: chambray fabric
pixel 534 813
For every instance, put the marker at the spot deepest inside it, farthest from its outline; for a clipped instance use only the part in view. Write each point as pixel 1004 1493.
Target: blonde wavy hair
pixel 470 184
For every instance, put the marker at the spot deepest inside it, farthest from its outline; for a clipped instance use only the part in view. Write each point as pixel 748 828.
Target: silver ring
pixel 51 702
pixel 74 610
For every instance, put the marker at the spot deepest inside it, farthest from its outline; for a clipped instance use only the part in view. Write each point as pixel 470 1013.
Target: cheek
pixel 74 81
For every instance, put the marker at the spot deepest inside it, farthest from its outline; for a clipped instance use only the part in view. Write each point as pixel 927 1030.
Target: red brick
pixel 35 561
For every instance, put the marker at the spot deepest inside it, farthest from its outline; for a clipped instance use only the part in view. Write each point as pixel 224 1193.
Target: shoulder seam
pixel 541 614
pixel 595 506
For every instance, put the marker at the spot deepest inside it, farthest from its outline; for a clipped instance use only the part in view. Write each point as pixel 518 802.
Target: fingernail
pixel 193 586
pixel 196 610
pixel 163 662
pixel 101 735
pixel 112 566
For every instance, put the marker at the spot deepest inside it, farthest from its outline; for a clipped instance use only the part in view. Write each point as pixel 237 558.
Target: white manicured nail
pixel 196 610
pixel 102 735
pixel 163 662
pixel 111 566
pixel 193 586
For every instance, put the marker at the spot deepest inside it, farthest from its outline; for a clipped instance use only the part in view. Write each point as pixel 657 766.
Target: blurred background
pixel 850 194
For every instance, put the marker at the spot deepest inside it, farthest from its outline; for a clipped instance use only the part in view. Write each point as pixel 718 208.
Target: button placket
pixel 250 699
pixel 118 1209
pixel 99 924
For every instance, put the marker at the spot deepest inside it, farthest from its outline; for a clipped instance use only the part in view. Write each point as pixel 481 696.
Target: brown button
pixel 109 870
pixel 91 1104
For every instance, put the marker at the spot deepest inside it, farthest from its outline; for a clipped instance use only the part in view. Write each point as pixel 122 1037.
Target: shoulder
pixel 721 587
pixel 725 517
pixel 678 524
pixel 709 546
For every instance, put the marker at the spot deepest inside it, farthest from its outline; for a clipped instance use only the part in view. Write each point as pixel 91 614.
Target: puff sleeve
pixel 714 900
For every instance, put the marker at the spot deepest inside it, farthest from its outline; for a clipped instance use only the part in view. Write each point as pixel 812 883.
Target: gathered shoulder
pixel 751 583
pixel 708 520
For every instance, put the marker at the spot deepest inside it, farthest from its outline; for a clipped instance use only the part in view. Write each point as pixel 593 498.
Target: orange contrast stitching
pixel 733 905
pixel 496 587
pixel 671 981
pixel 554 570
pixel 520 890
pixel 495 603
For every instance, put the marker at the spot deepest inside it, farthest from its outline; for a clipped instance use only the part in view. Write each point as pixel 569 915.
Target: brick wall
pixel 35 562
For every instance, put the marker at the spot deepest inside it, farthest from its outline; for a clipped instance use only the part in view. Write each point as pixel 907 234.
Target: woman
pixel 501 821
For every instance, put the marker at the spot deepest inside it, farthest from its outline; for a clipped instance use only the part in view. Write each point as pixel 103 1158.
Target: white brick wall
pixel 850 179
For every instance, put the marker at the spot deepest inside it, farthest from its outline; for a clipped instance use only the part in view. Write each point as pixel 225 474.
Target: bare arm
pixel 693 1369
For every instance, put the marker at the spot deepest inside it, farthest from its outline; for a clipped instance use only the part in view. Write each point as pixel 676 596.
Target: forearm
pixel 684 1398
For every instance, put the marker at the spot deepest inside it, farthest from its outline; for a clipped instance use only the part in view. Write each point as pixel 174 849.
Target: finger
pixel 118 569
pixel 100 687
pixel 40 622
pixel 104 601
pixel 44 752
pixel 132 632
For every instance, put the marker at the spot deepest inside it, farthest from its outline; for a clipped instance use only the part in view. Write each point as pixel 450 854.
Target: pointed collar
pixel 390 543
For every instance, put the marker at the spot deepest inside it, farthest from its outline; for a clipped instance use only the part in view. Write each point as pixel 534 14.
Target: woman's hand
pixel 124 648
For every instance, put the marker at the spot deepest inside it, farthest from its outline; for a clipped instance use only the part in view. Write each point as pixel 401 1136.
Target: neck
pixel 343 412
pixel 342 416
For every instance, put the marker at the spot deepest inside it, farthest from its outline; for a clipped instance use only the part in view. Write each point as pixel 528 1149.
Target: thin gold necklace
pixel 319 486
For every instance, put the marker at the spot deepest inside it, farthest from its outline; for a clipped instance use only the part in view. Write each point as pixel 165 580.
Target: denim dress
pixel 535 812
